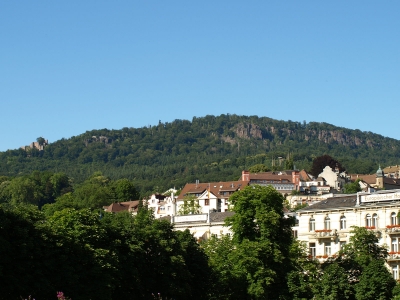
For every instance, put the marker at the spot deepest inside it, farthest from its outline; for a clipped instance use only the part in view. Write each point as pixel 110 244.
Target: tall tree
pixel 262 236
pixel 334 284
pixel 320 162
pixel 375 282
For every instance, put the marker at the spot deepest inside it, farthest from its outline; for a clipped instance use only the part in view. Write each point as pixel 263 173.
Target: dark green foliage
pixel 375 282
pixel 353 187
pixel 88 257
pixel 38 188
pixel 334 284
pixel 258 168
pixel 364 263
pixel 306 272
pixel 320 162
pixel 227 280
pixel 254 265
pixel 396 292
pixel 24 251
pixel 208 148
pixel 95 192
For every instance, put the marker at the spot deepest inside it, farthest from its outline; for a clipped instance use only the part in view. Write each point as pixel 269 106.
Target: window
pixel 327 248
pixel 162 208
pixel 207 202
pixel 312 224
pixel 341 244
pixel 312 250
pixel 393 219
pixel 395 272
pixel 327 223
pixel 168 208
pixel 368 220
pixel 395 244
pixel 375 220
pixel 342 222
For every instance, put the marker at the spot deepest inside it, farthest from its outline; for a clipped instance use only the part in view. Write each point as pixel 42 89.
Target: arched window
pixel 368 220
pixel 393 218
pixel 342 222
pixel 312 224
pixel 327 223
pixel 375 220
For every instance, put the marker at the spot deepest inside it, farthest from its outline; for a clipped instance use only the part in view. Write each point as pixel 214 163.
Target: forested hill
pixel 208 148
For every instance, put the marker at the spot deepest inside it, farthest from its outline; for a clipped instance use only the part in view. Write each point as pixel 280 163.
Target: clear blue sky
pixel 71 66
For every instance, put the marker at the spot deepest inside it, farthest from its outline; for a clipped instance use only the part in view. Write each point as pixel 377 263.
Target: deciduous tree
pixel 262 236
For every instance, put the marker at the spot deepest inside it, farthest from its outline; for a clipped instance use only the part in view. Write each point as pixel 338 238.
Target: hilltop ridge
pixel 209 148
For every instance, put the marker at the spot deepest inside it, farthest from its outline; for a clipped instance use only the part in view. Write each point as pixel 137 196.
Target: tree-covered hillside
pixel 210 148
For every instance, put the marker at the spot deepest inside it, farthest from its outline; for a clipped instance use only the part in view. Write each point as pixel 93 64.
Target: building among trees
pixel 325 226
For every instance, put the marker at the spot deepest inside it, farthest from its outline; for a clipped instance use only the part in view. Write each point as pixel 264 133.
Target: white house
pixel 203 226
pixel 212 196
pixel 161 205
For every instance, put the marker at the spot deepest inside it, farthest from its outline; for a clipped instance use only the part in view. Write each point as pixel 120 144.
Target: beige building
pixel 203 226
pixel 325 226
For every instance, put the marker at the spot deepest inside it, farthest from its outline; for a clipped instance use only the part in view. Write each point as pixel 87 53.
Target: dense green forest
pixel 211 148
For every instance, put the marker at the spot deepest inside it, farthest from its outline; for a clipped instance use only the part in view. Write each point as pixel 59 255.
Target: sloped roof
pixel 370 179
pixel 304 176
pixel 391 169
pixel 123 206
pixel 220 216
pixel 332 203
pixel 391 181
pixel 269 176
pixel 214 187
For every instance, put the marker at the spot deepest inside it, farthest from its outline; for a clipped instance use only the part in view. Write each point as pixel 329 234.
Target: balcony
pixel 377 232
pixel 326 234
pixel 393 256
pixel 323 258
pixel 393 229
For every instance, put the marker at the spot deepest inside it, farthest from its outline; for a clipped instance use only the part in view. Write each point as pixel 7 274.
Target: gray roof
pixel 220 216
pixel 346 201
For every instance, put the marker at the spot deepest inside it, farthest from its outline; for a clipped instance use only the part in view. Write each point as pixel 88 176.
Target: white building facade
pixel 325 226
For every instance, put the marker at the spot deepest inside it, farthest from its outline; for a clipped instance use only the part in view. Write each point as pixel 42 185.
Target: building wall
pixel 355 216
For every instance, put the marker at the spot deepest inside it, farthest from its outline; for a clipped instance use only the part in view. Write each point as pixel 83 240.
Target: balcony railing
pixel 392 255
pixel 378 233
pixel 325 257
pixel 393 229
pixel 325 233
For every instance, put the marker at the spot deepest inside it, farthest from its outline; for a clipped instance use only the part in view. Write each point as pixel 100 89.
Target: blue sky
pixel 71 66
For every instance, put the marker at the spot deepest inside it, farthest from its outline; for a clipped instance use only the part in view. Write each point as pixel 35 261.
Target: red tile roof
pixel 213 187
pixel 123 206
